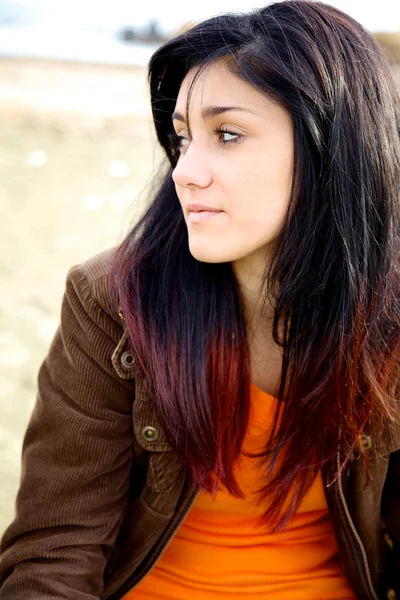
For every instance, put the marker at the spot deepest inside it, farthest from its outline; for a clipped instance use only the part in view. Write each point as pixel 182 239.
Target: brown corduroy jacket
pixel 102 491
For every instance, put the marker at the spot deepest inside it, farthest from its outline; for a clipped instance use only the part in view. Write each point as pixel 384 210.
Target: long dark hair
pixel 334 275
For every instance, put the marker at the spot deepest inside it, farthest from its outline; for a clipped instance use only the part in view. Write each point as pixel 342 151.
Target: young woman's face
pixel 244 171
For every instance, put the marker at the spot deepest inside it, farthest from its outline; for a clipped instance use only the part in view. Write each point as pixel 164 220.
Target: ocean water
pixel 40 41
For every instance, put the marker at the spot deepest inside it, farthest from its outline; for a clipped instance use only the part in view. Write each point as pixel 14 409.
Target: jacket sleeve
pixel 76 461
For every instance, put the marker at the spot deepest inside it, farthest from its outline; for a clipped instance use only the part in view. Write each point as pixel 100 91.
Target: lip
pixel 203 215
pixel 201 207
pixel 201 212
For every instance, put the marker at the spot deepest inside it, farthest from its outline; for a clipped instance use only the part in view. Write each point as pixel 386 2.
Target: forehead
pixel 216 85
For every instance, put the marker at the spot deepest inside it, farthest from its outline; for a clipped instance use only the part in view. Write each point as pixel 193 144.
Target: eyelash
pixel 176 139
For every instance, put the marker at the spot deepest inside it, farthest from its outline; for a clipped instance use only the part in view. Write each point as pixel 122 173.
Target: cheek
pixel 260 195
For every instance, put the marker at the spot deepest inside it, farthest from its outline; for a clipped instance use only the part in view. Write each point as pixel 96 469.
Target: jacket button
pixel 366 441
pixel 391 594
pixel 388 541
pixel 127 360
pixel 149 433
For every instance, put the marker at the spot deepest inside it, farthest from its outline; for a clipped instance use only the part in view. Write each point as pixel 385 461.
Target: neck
pixel 258 311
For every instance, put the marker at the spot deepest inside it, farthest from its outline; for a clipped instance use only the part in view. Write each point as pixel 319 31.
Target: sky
pixel 376 15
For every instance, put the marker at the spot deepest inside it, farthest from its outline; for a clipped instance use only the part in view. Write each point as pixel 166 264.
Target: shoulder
pixel 92 299
pixel 92 281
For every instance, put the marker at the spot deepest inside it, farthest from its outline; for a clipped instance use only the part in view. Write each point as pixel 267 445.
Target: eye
pixel 225 132
pixel 177 141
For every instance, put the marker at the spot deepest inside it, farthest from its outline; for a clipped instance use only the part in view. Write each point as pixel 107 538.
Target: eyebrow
pixel 211 111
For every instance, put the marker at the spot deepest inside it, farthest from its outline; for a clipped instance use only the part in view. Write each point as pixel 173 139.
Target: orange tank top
pixel 220 552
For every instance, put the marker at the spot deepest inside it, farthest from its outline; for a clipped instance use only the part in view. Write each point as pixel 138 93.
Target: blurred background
pixel 77 149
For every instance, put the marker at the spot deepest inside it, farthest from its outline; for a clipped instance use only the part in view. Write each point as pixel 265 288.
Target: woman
pixel 218 413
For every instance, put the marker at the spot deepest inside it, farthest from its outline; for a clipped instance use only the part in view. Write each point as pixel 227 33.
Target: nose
pixel 192 169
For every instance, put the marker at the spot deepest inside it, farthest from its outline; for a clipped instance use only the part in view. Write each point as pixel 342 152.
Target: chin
pixel 207 258
pixel 209 255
